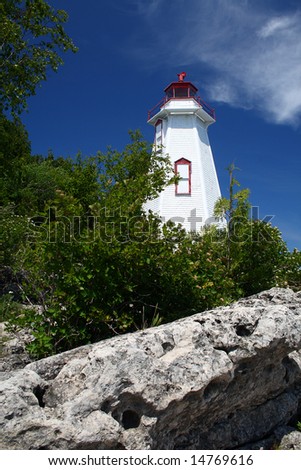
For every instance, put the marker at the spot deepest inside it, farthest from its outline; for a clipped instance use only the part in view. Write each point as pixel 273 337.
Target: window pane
pixel 183 187
pixel 181 92
pixel 183 171
pixel 192 92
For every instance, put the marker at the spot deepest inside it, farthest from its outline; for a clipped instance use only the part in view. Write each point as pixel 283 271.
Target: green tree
pixel 258 257
pixel 13 234
pixel 40 182
pixel 31 40
pixel 253 250
pixel 289 274
pixel 14 155
pixel 128 178
pixel 235 210
pixel 32 37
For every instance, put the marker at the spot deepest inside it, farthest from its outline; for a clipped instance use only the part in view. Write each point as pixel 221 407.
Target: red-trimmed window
pixel 183 170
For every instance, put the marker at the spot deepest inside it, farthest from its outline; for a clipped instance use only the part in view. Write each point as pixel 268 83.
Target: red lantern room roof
pixel 181 89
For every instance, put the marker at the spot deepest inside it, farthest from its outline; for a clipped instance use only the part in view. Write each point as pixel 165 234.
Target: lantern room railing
pixel 163 101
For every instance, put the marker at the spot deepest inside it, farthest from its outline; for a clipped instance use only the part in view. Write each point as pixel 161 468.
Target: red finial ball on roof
pixel 181 76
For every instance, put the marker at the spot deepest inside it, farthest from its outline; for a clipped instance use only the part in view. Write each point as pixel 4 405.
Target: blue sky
pixel 243 55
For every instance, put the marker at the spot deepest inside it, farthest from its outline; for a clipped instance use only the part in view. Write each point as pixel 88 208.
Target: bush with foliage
pixel 108 267
pixel 99 265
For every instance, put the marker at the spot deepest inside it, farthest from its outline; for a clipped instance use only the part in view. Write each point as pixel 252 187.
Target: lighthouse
pixel 181 120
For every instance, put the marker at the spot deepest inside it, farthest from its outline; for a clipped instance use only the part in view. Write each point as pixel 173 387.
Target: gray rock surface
pixel 13 353
pixel 291 441
pixel 220 379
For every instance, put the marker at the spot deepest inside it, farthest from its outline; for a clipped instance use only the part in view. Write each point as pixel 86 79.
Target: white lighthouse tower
pixel 181 120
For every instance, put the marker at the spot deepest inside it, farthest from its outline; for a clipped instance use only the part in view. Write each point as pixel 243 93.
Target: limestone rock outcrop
pixel 220 379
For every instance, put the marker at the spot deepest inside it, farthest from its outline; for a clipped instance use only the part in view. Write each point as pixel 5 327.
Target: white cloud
pixel 275 25
pixel 253 54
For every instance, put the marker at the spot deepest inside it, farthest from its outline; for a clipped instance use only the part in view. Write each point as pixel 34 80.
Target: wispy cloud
pixel 276 25
pixel 252 53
